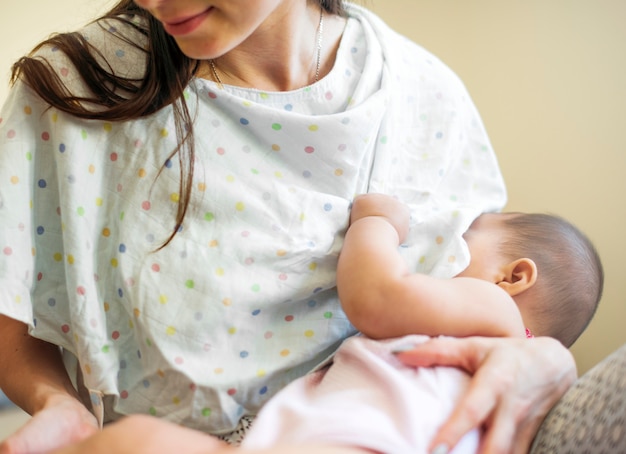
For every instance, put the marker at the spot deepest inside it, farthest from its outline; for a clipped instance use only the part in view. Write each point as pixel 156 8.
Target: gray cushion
pixel 591 416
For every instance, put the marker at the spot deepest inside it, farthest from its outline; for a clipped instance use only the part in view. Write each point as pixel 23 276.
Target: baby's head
pixel 549 267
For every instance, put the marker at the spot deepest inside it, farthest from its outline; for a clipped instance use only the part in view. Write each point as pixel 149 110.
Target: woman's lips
pixel 179 27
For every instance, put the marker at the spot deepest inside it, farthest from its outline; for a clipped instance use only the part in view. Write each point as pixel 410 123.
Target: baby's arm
pixel 383 299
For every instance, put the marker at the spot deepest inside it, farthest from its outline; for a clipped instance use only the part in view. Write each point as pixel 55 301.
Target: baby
pixel 529 273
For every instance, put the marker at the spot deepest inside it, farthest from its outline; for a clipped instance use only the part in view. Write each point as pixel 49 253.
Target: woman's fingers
pixel 474 410
pixel 502 432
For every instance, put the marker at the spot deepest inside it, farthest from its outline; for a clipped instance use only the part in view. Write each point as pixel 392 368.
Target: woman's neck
pixel 283 53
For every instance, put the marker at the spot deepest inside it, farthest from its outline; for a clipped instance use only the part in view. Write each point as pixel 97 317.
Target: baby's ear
pixel 518 276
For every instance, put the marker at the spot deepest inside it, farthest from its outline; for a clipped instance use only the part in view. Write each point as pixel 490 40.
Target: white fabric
pixel 365 399
pixel 243 300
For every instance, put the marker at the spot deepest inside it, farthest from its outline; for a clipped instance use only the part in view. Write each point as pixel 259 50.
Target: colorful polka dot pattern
pixel 243 300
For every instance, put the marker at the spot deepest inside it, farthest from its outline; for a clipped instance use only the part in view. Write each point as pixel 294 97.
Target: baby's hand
pixel 141 434
pixel 394 211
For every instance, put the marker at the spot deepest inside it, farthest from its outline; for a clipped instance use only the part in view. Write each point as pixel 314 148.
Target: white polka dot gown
pixel 243 299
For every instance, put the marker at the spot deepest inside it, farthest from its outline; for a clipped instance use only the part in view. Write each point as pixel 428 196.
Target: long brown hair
pixel 117 98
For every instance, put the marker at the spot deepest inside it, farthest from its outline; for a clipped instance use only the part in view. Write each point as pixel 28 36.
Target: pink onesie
pixel 365 399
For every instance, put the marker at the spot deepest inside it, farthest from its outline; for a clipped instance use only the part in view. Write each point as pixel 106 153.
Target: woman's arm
pixel 383 299
pixel 33 376
pixel 32 370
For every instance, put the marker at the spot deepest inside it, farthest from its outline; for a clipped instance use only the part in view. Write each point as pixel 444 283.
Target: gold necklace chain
pixel 215 74
pixel 319 37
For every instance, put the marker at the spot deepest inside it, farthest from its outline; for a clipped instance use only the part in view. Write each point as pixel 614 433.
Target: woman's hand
pixel 63 422
pixel 515 383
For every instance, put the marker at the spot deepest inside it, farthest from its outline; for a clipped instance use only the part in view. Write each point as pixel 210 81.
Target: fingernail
pixel 402 348
pixel 440 449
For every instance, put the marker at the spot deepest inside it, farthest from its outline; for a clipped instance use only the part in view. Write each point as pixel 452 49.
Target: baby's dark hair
pixel 570 273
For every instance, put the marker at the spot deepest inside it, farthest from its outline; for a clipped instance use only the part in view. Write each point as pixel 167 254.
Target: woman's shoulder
pixel 121 41
pixel 117 45
pixel 409 61
pixel 386 34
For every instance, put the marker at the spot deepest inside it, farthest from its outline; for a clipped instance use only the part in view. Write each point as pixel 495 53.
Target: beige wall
pixel 548 78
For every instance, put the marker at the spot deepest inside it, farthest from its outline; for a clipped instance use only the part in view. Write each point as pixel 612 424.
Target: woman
pixel 173 220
